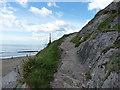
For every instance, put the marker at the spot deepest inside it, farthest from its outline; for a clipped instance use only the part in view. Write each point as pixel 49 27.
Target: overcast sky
pixel 24 22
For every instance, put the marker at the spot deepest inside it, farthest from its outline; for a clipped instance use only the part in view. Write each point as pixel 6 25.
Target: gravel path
pixel 70 72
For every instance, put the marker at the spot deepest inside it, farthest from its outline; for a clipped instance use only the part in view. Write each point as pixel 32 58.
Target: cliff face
pixel 97 48
pixel 100 52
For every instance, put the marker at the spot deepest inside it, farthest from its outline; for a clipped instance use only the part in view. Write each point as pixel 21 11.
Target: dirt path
pixel 70 72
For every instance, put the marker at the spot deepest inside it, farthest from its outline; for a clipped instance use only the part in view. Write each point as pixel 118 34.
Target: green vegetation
pixel 111 66
pixel 108 48
pixel 114 63
pixel 116 44
pixel 100 13
pixel 103 27
pixel 93 36
pixel 88 75
pixel 76 39
pixel 107 21
pixel 117 27
pixel 38 70
pixel 84 39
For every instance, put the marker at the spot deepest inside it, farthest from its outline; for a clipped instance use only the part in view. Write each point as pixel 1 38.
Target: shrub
pixel 38 70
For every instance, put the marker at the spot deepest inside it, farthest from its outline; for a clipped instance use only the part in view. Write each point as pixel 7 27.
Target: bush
pixel 38 70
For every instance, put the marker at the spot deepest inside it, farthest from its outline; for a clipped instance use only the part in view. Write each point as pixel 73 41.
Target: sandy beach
pixel 9 71
pixel 10 64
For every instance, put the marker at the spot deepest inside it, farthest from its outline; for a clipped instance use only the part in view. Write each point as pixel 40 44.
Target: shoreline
pixel 12 71
pixel 12 57
pixel 9 64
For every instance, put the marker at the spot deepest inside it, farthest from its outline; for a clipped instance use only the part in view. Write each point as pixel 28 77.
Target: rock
pixel 95 62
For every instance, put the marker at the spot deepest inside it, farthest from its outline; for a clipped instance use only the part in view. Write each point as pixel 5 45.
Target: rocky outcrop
pixel 101 54
pixel 97 51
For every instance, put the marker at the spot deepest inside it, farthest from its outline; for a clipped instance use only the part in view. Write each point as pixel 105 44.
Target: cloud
pixel 5 8
pixel 16 37
pixel 52 4
pixel 11 8
pixel 72 31
pixel 8 21
pixel 40 36
pixel 6 11
pixel 98 4
pixel 22 2
pixel 43 12
pixel 57 25
pixel 59 14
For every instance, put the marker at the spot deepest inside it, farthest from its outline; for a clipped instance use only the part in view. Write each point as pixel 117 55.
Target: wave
pixel 25 51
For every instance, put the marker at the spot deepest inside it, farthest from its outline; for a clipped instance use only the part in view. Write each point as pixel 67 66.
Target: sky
pixel 30 23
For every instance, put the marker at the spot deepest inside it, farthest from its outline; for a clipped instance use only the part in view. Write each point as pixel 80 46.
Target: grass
pixel 38 70
pixel 108 48
pixel 116 44
pixel 117 27
pixel 113 65
pixel 107 21
pixel 100 13
pixel 76 39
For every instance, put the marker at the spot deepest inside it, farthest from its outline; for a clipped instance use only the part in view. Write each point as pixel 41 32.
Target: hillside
pixel 93 61
pixel 87 59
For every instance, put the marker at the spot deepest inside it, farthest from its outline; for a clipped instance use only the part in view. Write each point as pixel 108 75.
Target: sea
pixel 11 51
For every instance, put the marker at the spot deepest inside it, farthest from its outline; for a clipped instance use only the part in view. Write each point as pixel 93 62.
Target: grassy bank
pixel 38 70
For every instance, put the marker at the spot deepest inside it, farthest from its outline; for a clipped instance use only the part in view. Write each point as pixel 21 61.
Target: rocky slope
pixel 93 61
